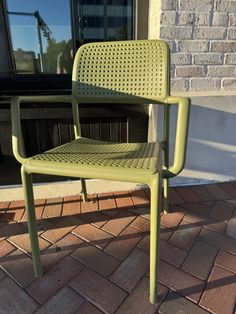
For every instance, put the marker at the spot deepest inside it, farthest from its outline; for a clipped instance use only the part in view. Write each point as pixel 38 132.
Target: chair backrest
pixel 135 71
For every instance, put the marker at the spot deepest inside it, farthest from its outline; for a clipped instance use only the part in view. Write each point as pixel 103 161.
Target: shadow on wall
pixel 211 150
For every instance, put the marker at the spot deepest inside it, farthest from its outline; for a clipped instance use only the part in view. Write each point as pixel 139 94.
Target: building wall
pixel 201 35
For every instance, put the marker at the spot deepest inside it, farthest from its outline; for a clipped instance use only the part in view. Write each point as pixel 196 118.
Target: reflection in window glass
pixel 105 20
pixel 41 35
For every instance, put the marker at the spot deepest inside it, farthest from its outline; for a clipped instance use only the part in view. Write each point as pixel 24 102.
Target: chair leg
pixel 154 235
pixel 84 190
pixel 31 220
pixel 166 196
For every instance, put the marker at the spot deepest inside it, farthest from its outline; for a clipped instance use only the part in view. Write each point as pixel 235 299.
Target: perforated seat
pixel 91 153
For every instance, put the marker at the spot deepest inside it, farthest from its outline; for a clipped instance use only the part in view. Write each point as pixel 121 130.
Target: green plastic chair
pixel 130 72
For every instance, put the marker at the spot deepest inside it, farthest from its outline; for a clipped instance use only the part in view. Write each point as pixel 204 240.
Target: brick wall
pixel 202 38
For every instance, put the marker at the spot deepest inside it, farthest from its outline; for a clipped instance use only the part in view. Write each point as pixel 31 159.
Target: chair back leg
pixel 166 195
pixel 84 190
pixel 31 220
pixel 155 211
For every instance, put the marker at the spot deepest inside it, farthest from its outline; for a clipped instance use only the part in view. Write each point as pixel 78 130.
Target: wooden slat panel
pixel 95 131
pixel 123 131
pixel 63 132
pixel 85 130
pixel 30 137
pixel 114 132
pixel 105 131
pixel 43 135
pixel 53 133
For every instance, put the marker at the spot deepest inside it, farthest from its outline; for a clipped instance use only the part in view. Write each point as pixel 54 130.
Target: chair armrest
pixel 17 139
pixel 181 134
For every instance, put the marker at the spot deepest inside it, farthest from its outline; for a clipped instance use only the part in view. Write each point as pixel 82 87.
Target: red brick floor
pixel 95 255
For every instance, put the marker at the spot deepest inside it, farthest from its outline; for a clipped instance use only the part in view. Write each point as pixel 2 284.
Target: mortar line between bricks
pixel 133 200
pixel 8 206
pixel 88 299
pixel 115 235
pixel 20 248
pixel 15 247
pixel 66 234
pixel 44 206
pixel 108 278
pixel 128 294
pixel 180 196
pixel 169 290
pixel 206 309
pixel 192 189
pixel 122 261
pixel 203 281
pixel 129 252
pixel 87 223
pixel 51 243
pixel 206 282
pixel 62 202
pixel 112 196
pixel 93 270
pixel 223 235
pixel 3 277
pixel 24 289
pixel 58 288
pixel 223 267
pixel 189 300
pixel 91 267
pixel 195 237
pixel 85 299
pixel 141 215
pixel 123 228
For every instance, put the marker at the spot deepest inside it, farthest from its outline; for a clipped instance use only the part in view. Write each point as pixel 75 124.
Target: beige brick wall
pixel 202 38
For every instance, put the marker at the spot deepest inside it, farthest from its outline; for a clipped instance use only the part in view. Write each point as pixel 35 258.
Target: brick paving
pixel 95 255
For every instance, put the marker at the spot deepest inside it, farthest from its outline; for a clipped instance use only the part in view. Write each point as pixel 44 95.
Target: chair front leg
pixel 155 211
pixel 31 220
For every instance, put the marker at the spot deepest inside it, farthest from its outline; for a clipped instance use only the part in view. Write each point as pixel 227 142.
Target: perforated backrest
pixel 122 71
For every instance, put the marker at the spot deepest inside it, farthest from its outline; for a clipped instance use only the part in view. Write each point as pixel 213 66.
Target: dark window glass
pixel 92 1
pixel 105 20
pixel 115 22
pixel 41 35
pixel 118 2
pixel 93 21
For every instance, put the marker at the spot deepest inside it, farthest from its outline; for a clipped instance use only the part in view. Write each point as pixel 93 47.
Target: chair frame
pixel 153 181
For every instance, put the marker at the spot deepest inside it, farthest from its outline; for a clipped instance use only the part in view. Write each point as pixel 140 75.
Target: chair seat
pixel 93 153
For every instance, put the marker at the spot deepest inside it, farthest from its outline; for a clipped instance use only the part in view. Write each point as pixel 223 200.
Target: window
pixel 41 31
pixel 105 20
pixel 39 34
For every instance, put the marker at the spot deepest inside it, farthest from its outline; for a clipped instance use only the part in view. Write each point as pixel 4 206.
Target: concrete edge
pixel 62 189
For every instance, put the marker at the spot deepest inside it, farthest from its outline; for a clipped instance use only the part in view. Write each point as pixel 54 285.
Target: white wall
pixel 211 151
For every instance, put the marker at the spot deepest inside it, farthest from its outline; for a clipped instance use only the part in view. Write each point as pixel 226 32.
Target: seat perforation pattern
pixel 85 151
pixel 132 68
